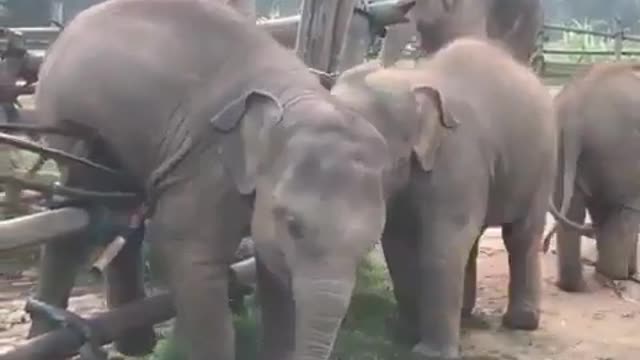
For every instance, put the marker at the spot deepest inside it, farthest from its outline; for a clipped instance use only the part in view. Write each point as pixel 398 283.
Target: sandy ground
pixel 602 324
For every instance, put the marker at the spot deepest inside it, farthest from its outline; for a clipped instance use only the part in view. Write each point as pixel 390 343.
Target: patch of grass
pixel 364 334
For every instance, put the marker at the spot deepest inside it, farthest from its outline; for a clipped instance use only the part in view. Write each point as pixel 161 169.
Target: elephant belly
pixel 513 195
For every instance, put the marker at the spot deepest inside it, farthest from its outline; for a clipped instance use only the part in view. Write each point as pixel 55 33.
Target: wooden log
pixel 108 326
pixel 64 342
pixel 245 271
pixel 42 227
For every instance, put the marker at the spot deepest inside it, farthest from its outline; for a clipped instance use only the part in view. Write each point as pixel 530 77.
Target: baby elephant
pixel 599 169
pixel 473 138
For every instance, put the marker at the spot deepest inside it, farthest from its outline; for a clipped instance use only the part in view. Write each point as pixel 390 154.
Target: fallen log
pixel 107 326
pixel 65 342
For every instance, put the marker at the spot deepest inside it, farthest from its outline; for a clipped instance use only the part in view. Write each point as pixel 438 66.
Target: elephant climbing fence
pixel 40 210
pixel 558 63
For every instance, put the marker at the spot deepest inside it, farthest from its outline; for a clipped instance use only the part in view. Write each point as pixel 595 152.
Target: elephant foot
pixel 402 332
pixel 573 286
pixel 474 320
pixel 528 320
pixel 426 352
pixel 138 342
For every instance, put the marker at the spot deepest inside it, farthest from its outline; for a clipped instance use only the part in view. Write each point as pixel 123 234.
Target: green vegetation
pixel 365 333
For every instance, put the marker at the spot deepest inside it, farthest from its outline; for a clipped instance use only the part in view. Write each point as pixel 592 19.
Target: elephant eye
pixel 290 221
pixel 294 227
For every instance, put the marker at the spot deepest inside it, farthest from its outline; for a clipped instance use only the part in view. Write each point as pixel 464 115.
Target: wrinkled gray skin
pixel 599 170
pixel 473 143
pixel 227 133
pixel 515 23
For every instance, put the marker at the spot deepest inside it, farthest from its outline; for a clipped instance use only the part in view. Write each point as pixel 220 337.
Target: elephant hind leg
pixel 568 242
pixel 125 284
pixel 59 265
pixel 616 239
pixel 633 254
pixel 522 240
pixel 471 320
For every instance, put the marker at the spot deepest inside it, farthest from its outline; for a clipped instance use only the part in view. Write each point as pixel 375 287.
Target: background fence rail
pixel 39 38
pixel 558 70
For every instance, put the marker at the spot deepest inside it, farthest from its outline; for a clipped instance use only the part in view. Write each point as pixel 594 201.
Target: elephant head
pixel 412 115
pixel 316 171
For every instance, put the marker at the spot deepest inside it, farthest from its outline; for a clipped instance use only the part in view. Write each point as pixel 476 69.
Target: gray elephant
pixel 473 145
pixel 515 23
pixel 223 130
pixel 599 170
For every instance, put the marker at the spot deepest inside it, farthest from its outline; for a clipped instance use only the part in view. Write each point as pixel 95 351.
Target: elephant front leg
pixel 59 265
pixel 197 244
pixel 522 240
pixel 616 242
pixel 443 257
pixel 278 312
pixel 199 286
pixel 400 251
pixel 125 284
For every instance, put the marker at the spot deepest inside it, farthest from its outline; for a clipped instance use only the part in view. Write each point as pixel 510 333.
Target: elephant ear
pixel 246 122
pixel 433 121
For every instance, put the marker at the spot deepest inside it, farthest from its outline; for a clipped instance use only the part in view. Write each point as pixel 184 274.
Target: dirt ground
pixel 601 324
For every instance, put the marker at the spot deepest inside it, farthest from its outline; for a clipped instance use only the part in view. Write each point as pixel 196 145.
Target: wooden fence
pixel 39 38
pixel 561 70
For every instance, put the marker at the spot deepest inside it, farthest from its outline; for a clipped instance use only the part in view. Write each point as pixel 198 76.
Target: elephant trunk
pixel 321 305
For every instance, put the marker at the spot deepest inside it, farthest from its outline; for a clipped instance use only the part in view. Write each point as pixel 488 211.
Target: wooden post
pixel 57 11
pixel 619 38
pixel 322 31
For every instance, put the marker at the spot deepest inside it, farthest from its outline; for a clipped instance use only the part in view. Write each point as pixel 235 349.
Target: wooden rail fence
pixel 39 38
pixel 561 70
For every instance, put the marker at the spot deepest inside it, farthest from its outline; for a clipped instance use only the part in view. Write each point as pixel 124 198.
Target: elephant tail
pixel 569 151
